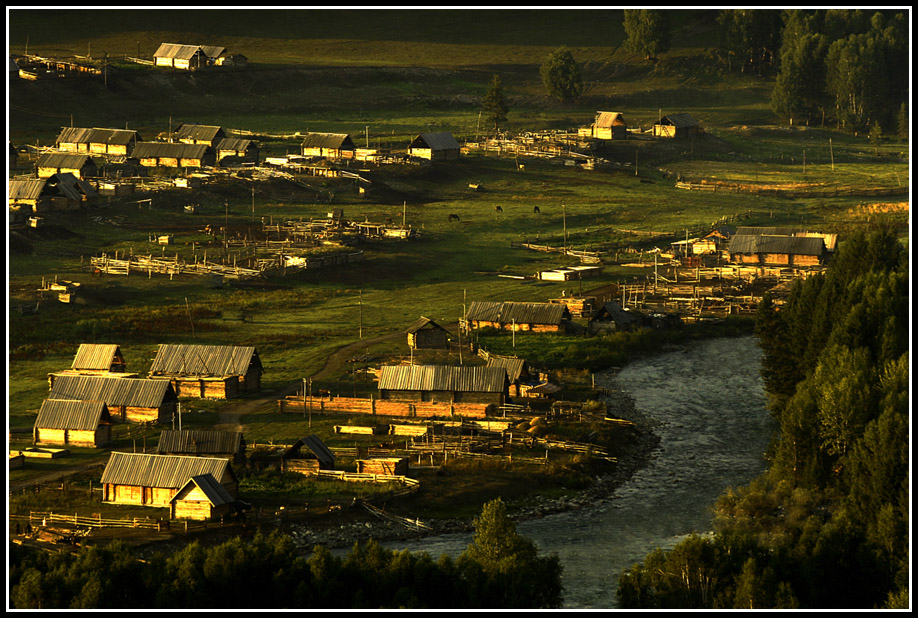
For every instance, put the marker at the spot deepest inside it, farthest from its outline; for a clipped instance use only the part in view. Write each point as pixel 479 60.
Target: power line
pixel 40 113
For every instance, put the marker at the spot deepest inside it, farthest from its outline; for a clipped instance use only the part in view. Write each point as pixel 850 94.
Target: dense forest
pixel 827 525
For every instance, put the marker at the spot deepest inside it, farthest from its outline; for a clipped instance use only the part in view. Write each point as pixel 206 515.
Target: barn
pixel 610 125
pixel 118 142
pixel 328 145
pixel 202 498
pixel 73 423
pixel 612 317
pixel 537 317
pixel 203 443
pixel 80 165
pixel 131 399
pixel 443 384
pixel 177 56
pixel 165 154
pixel 435 147
pixel 56 192
pixel 425 334
pixel 143 479
pixel 191 133
pixel 233 150
pixel 789 251
pixel 676 125
pixel 208 371
pixel 307 456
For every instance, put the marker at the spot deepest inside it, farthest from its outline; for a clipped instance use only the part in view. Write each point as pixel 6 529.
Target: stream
pixel 706 403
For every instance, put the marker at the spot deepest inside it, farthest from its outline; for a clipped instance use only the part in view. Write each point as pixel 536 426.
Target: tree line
pixel 827 525
pixel 499 569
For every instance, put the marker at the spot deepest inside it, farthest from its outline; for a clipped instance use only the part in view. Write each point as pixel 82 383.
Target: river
pixel 707 405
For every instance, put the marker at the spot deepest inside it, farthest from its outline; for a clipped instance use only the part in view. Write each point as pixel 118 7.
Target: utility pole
pixel 804 161
pixel 404 206
pixel 360 307
pixel 368 136
pixel 253 201
pixel 831 154
pixel 564 224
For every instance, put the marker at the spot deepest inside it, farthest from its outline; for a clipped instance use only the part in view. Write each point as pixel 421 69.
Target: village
pixel 422 412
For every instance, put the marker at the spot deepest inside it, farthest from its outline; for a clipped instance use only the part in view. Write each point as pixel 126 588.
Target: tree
pixel 494 105
pixel 753 36
pixel 800 86
pixel 649 32
pixel 561 75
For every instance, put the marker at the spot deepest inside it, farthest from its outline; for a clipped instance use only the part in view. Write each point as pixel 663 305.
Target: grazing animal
pixel 536 209
pixel 454 217
pixel 498 209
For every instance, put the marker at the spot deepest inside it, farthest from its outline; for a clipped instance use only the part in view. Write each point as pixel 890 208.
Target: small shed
pixel 203 443
pixel 142 479
pixel 131 399
pixel 536 317
pixel 435 147
pixel 443 384
pixel 676 125
pixel 178 56
pixel 192 133
pixel 328 145
pixel 610 125
pixel 80 165
pixel 425 334
pixel 97 141
pixel 201 498
pixel 516 368
pixel 389 466
pixel 611 316
pixel 73 423
pixel 307 456
pixel 233 150
pixel 165 154
pixel 208 371
pixel 99 358
pixel 62 191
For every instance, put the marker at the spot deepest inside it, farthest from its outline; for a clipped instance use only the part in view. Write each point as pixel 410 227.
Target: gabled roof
pixel 213 51
pixel 617 314
pixel 338 141
pixel 316 447
pixel 767 231
pixel 443 378
pixel 167 471
pixel 30 189
pixel 204 360
pixel 234 143
pixel 215 493
pixel 156 150
pixel 513 366
pixel 70 186
pixel 95 356
pixel 679 120
pixel 198 132
pixel 521 313
pixel 424 324
pixel 64 160
pixel 435 141
pixel 72 415
pixel 608 119
pixel 134 392
pixel 199 442
pixel 789 245
pixel 74 135
pixel 177 51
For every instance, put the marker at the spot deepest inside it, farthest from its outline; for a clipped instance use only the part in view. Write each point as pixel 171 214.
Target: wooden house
pixel 118 142
pixel 789 251
pixel 830 240
pixel 676 125
pixel 328 145
pixel 143 479
pixel 177 56
pixel 307 456
pixel 73 423
pixel 203 443
pixel 215 54
pixel 425 334
pixel 612 317
pixel 98 358
pixel 233 150
pixel 202 498
pixel 435 147
pixel 516 368
pixel 165 154
pixel 208 371
pixel 609 125
pixel 389 466
pixel 537 317
pixel 56 192
pixel 443 384
pixel 191 133
pixel 131 399
pixel 80 165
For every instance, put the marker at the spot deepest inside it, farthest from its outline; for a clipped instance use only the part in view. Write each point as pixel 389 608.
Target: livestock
pixel 498 209
pixel 536 209
pixel 454 217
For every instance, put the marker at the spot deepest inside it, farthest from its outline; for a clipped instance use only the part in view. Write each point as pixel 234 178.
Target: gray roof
pixel 424 324
pixel 73 415
pixel 75 135
pixel 679 120
pixel 435 141
pixel 27 189
pixel 234 143
pixel 617 314
pixel 156 150
pixel 215 493
pixel 767 231
pixel 177 51
pixel 134 392
pixel 167 471
pixel 198 132
pixel 65 160
pixel 70 186
pixel 316 447
pixel 521 313
pixel 339 141
pixel 513 366
pixel 199 442
pixel 790 245
pixel 608 119
pixel 443 378
pixel 95 356
pixel 213 51
pixel 204 360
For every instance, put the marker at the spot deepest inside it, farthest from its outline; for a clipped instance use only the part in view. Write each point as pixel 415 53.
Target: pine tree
pixel 561 75
pixel 649 32
pixel 494 104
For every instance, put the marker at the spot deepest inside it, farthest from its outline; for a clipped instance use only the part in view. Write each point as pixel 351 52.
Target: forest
pixel 827 525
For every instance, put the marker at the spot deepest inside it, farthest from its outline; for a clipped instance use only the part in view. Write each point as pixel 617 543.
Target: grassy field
pixel 384 77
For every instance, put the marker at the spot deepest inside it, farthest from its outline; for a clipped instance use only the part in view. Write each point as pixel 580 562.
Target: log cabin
pixel 307 456
pixel 443 384
pixel 202 498
pixel 203 443
pixel 62 191
pixel 676 125
pixel 143 479
pixel 191 133
pixel 612 317
pixel 536 317
pixel 435 147
pixel 73 423
pixel 236 151
pixel 165 154
pixel 118 142
pixel 177 56
pixel 789 251
pixel 80 165
pixel 208 371
pixel 425 334
pixel 130 399
pixel 609 125
pixel 389 466
pixel 328 145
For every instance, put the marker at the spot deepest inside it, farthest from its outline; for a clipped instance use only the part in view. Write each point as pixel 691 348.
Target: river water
pixel 706 403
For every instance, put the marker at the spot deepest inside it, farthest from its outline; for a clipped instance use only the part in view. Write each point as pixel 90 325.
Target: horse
pixel 454 217
pixel 498 209
pixel 536 209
